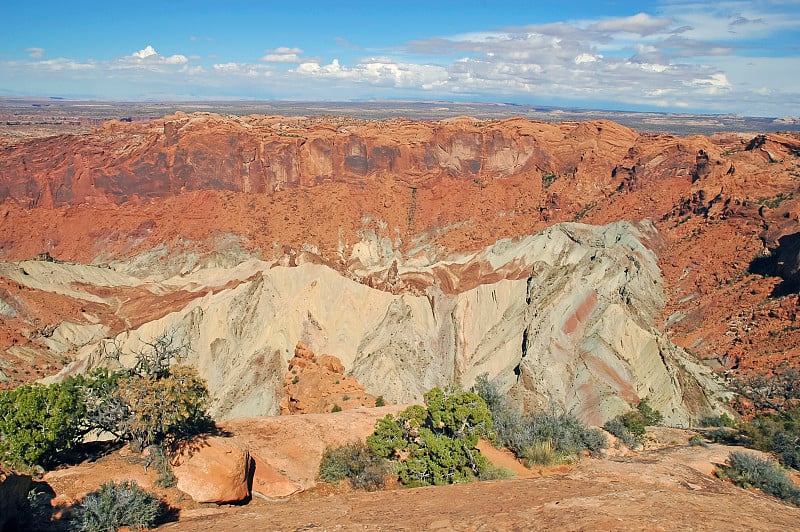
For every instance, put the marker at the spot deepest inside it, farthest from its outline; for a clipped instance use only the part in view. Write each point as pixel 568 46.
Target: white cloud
pixel 640 23
pixel 226 67
pixel 63 65
pixel 713 84
pixel 35 53
pixel 586 58
pixel 282 54
pixel 147 51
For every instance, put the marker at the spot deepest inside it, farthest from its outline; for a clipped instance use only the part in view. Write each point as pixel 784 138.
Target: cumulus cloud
pixel 148 53
pixel 35 53
pixel 378 72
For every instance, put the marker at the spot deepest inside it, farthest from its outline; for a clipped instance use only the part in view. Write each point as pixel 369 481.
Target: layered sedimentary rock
pixel 564 317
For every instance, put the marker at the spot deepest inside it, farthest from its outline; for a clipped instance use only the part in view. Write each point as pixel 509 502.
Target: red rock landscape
pixel 287 186
pixel 178 218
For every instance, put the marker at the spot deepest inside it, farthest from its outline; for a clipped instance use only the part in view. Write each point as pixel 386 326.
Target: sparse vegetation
pixel 631 426
pixel 778 434
pixel 357 463
pixel 584 211
pixel 723 420
pixel 697 441
pixel 776 425
pixel 336 408
pixel 747 470
pixel 491 472
pixel 539 437
pixel 380 401
pixel 774 201
pixel 548 179
pixel 114 506
pixel 617 428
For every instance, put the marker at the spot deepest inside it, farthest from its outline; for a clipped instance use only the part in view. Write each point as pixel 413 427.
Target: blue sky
pixel 669 55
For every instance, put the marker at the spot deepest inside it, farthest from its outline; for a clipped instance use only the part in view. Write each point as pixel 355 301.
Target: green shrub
pixel 778 434
pixel 38 422
pixel 616 427
pixel 357 463
pixel 631 427
pixel 636 424
pixel 650 415
pixel 435 444
pixel 697 441
pixel 725 436
pixel 336 408
pixel 117 505
pixel 747 470
pixel 723 420
pixel 380 401
pixel 548 179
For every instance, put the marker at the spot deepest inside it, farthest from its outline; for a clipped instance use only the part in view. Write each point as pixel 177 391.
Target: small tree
pixel 435 445
pixel 775 393
pixel 158 401
pixel 164 409
pixel 153 403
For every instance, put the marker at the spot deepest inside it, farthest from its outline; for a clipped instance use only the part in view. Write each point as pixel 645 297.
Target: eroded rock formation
pixel 420 253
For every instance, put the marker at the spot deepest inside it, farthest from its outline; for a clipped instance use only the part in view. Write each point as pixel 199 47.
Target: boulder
pixel 269 482
pixel 214 470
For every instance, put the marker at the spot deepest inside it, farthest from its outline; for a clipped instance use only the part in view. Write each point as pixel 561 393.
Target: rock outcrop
pixel 317 383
